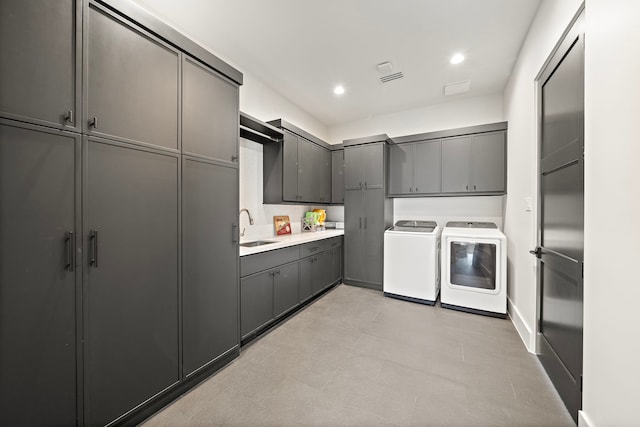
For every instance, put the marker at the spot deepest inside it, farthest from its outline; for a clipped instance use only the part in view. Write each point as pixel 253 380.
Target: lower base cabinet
pixel 270 289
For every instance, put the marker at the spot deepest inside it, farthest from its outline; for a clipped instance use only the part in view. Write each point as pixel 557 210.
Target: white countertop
pixel 288 240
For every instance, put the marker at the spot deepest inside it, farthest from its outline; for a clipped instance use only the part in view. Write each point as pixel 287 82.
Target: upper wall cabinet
pixel 414 169
pixel 337 177
pixel 360 171
pixel 131 82
pixel 209 113
pixel 298 169
pixel 39 61
pixel 470 161
pixel 474 164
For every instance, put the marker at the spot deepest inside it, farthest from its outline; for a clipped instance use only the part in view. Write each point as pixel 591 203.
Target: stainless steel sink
pixel 256 243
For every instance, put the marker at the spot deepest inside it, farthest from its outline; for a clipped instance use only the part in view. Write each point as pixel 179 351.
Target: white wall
pixel 612 213
pixel 458 112
pixel 550 22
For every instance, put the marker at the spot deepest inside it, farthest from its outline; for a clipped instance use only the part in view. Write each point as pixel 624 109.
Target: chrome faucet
pixel 250 219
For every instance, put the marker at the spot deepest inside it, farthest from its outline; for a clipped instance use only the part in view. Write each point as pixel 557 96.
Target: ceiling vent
pixel 391 77
pixel 457 87
pixel 386 73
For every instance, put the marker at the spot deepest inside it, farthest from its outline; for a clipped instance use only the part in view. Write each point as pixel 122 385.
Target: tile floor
pixel 356 358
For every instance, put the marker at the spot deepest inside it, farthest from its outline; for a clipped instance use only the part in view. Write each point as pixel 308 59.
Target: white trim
pixel 526 335
pixel 583 420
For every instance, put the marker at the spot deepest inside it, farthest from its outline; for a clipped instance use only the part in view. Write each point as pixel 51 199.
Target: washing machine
pixel 411 261
pixel 474 268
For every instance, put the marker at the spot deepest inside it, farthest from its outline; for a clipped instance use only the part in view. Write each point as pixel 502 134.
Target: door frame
pixel 564 42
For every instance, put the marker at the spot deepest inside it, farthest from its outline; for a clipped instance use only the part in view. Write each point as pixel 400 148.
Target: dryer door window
pixel 473 265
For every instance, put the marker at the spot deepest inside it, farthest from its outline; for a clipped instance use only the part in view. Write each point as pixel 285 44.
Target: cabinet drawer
pixel 334 242
pixel 313 248
pixel 253 263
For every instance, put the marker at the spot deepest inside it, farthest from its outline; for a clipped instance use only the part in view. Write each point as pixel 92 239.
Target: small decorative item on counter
pixel 311 222
pixel 282 225
pixel 323 215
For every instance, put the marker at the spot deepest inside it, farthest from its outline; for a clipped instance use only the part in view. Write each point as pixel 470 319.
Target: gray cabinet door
pixel 209 113
pixel 290 167
pixel 37 276
pixel 488 165
pixel 401 160
pixel 39 66
pixel 308 171
pixel 256 301
pixel 210 298
pixel 373 165
pixel 131 289
pixel 456 160
pixel 132 82
pixel 324 179
pixel 285 288
pixel 373 230
pixel 322 271
pixel 427 158
pixel 353 167
pixel 337 176
pixel 305 287
pixel 336 264
pixel 354 210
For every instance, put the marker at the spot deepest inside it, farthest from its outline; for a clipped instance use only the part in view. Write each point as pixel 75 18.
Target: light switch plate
pixel 527 204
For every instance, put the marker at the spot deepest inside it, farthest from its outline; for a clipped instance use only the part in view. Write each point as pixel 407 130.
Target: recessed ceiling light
pixel 457 58
pixel 338 90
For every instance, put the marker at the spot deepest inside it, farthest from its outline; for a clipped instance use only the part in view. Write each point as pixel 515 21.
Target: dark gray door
pixel 401 159
pixel 325 176
pixel 209 113
pixel 39 61
pixel 210 298
pixel 427 167
pixel 290 167
pixel 37 276
pixel 561 227
pixel 285 288
pixel 373 230
pixel 256 301
pixel 305 288
pixel 488 162
pixel 373 165
pixel 308 171
pixel 322 271
pixel 336 265
pixel 337 176
pixel 131 285
pixel 456 158
pixel 132 82
pixel 353 167
pixel 354 211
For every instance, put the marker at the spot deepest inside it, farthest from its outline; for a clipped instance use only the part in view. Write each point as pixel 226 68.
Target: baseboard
pixel 526 334
pixel 583 420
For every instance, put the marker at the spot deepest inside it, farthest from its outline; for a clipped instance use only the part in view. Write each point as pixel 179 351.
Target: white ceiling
pixel 303 48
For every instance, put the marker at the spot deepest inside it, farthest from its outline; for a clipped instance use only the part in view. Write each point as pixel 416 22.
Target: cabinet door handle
pixel 313 249
pixel 69 117
pixel 416 189
pixel 272 273
pixel 93 237
pixel 467 188
pixel 234 233
pixel 474 186
pixel 410 189
pixel 234 158
pixel 365 184
pixel 277 272
pixel 68 251
pixel 94 123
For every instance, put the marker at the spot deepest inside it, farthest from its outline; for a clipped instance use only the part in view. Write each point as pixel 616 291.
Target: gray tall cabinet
pixel 368 212
pixel 118 213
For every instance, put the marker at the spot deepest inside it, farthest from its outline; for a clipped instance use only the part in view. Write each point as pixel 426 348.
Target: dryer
pixel 474 268
pixel 412 261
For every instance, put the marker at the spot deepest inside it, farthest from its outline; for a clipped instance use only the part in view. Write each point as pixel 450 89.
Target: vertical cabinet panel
pixel 353 167
pixel 427 170
pixel 353 236
pixel 372 167
pixel 322 271
pixel 256 296
pixel 285 288
pixel 37 288
pixel 39 61
pixel 325 175
pixel 209 262
pixel 336 264
pixel 131 199
pixel 209 113
pixel 132 83
pixel 401 168
pixel 373 234
pixel 290 167
pixel 456 160
pixel 488 166
pixel 337 176
pixel 308 169
pixel 305 287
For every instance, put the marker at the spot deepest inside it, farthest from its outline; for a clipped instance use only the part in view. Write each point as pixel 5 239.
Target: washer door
pixel 473 264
